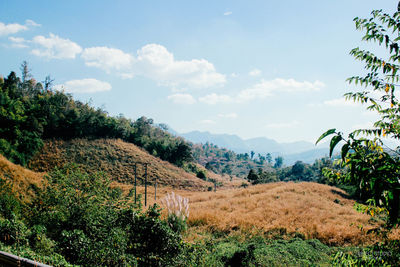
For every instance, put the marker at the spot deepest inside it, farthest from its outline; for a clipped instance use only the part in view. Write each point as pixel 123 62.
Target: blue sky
pixel 275 69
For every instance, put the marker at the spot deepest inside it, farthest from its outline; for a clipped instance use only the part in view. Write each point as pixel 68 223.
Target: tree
pixel 278 162
pixel 372 168
pixel 252 176
pixel 269 158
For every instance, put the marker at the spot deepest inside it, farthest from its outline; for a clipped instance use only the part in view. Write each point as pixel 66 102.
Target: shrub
pixel 202 174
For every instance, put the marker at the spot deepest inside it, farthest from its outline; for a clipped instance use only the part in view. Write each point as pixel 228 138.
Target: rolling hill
pixel 116 158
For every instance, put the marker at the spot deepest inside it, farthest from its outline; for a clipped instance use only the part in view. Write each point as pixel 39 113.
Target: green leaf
pixel 345 150
pixel 329 132
pixel 334 141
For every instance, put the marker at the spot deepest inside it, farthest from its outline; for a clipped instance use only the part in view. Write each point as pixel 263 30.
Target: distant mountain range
pixel 291 152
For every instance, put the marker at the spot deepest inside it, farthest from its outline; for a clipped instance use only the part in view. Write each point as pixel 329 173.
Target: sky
pixel 274 69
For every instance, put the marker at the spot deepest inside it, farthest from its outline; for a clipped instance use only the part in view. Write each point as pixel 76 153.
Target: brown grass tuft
pixel 21 179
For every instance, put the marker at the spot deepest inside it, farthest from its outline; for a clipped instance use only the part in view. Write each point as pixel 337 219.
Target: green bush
pixel 176 223
pixel 13 231
pixel 202 174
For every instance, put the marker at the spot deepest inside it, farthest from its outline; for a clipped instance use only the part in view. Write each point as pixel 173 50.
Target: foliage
pixel 234 250
pixel 227 162
pixel 79 216
pixel 374 170
pixel 381 254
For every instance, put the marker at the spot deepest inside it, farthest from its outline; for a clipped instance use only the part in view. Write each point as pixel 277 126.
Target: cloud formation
pixel 18 42
pixel 265 88
pixel 227 13
pixel 157 63
pixel 182 99
pixel 108 59
pixel 54 47
pixel 262 90
pixel 84 86
pixel 13 28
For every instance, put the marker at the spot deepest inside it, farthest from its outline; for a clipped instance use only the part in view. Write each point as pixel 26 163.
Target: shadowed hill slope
pixel 116 158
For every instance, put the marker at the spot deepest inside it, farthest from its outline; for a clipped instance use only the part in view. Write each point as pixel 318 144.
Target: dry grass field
pixel 309 209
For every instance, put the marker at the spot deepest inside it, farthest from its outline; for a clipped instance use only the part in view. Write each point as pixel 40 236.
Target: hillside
pixel 116 158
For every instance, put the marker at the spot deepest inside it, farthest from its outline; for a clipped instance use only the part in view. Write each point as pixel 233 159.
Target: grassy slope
pixel 116 158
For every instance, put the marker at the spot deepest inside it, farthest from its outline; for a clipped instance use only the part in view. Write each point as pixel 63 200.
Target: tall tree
pixel 375 170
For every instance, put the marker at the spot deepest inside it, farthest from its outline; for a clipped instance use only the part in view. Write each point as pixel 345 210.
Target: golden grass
pixel 311 209
pixel 20 179
pixel 116 158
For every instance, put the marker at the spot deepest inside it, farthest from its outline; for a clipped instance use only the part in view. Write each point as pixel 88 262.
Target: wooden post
pixel 155 190
pixel 135 181
pixel 145 184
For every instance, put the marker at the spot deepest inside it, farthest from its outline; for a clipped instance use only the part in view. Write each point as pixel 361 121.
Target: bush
pixel 202 174
pixel 13 231
pixel 176 223
pixel 151 239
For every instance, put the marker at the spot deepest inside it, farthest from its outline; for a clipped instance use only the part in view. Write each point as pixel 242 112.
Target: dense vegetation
pixel 31 112
pixel 78 218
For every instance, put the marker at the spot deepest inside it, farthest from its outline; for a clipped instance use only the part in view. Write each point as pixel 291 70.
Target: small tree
pixel 375 170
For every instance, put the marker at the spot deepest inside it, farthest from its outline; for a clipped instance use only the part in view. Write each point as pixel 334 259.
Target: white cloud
pixel 213 99
pixel 109 59
pixel 12 28
pixel 207 122
pixel 255 72
pixel 265 88
pixel 30 22
pixel 228 115
pixel 157 63
pixel 281 125
pixel 182 99
pixel 55 47
pixel 84 86
pixel 227 13
pixel 341 102
pixel 18 42
pixel 262 90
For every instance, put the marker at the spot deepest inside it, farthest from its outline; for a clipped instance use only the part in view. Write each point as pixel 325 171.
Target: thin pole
pixel 145 184
pixel 135 182
pixel 155 190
